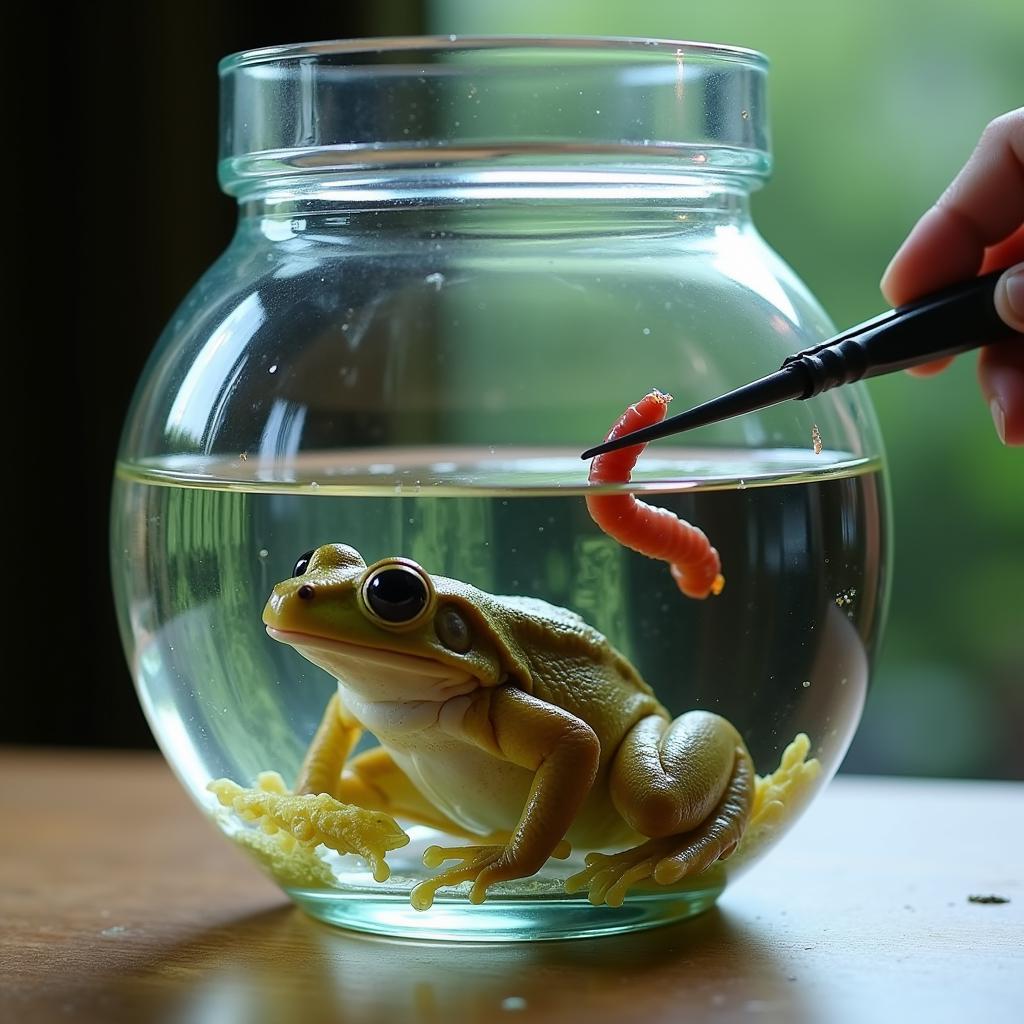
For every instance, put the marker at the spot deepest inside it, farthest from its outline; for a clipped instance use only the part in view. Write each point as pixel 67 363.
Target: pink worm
pixel 656 532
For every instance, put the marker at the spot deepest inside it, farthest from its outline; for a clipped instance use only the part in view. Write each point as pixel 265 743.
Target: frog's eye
pixel 396 594
pixel 453 630
pixel 303 562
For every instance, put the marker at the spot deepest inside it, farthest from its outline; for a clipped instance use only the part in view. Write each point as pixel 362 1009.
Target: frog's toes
pixel 614 890
pixel 482 865
pixel 608 877
pixel 696 852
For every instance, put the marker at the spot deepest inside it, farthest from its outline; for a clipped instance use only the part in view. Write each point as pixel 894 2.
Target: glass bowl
pixel 457 262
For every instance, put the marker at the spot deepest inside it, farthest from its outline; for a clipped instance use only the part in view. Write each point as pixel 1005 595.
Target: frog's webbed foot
pixel 608 877
pixel 314 819
pixel 480 864
pixel 483 865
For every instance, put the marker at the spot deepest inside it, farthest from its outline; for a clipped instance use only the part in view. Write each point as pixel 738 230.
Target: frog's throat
pixel 379 675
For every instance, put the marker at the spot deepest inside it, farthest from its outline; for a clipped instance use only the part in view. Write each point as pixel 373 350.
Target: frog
pixel 507 722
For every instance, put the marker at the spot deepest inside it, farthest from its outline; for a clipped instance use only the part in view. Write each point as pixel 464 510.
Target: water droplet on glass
pixel 264 553
pixel 273 369
pixel 806 683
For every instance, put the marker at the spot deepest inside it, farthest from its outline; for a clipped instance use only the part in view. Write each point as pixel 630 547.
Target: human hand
pixel 976 226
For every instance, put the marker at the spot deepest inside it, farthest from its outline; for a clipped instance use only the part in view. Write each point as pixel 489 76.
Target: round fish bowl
pixel 439 676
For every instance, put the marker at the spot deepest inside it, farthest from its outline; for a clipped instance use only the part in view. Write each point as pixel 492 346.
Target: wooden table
pixel 119 902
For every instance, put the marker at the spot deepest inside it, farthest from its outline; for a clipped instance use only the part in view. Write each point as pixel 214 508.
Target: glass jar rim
pixel 406 44
pixel 302 113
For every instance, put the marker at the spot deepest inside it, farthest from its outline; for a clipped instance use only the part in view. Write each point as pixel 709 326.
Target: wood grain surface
pixel 118 901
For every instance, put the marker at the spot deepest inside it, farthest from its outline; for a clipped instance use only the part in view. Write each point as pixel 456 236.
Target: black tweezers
pixel 943 323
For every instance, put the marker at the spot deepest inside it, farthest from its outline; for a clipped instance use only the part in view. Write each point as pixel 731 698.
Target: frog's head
pixel 390 631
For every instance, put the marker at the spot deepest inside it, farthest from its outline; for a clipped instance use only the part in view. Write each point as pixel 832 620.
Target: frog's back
pixel 575 667
pixel 563 621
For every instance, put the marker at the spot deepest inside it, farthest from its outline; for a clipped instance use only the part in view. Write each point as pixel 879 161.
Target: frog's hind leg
pixel 689 786
pixel 374 782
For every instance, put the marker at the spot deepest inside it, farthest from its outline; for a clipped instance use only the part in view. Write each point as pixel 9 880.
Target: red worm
pixel 655 532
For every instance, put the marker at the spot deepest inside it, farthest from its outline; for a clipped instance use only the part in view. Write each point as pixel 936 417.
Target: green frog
pixel 504 720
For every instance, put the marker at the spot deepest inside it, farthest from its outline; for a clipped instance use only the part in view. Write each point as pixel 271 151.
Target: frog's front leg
pixel 689 786
pixel 334 741
pixel 563 753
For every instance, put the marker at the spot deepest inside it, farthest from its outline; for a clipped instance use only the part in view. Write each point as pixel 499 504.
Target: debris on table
pixel 988 899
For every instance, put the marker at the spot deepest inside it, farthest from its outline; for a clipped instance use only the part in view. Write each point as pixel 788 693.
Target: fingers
pixel 1001 374
pixel 977 225
pixel 982 207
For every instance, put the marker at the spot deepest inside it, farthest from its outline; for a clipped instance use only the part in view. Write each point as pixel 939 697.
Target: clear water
pixel 199 544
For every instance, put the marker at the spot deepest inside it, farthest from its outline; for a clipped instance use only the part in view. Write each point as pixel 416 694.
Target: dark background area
pixel 133 216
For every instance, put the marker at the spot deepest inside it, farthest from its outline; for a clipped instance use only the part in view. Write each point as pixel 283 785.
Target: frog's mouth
pixel 380 675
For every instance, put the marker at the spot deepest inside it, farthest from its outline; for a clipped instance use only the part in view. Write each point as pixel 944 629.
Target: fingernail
pixel 999 418
pixel 1014 285
pixel 1010 298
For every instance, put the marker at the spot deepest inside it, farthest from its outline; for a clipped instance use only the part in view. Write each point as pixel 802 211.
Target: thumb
pixel 1009 297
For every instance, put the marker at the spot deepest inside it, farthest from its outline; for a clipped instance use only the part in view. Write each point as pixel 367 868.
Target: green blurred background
pixel 874 107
